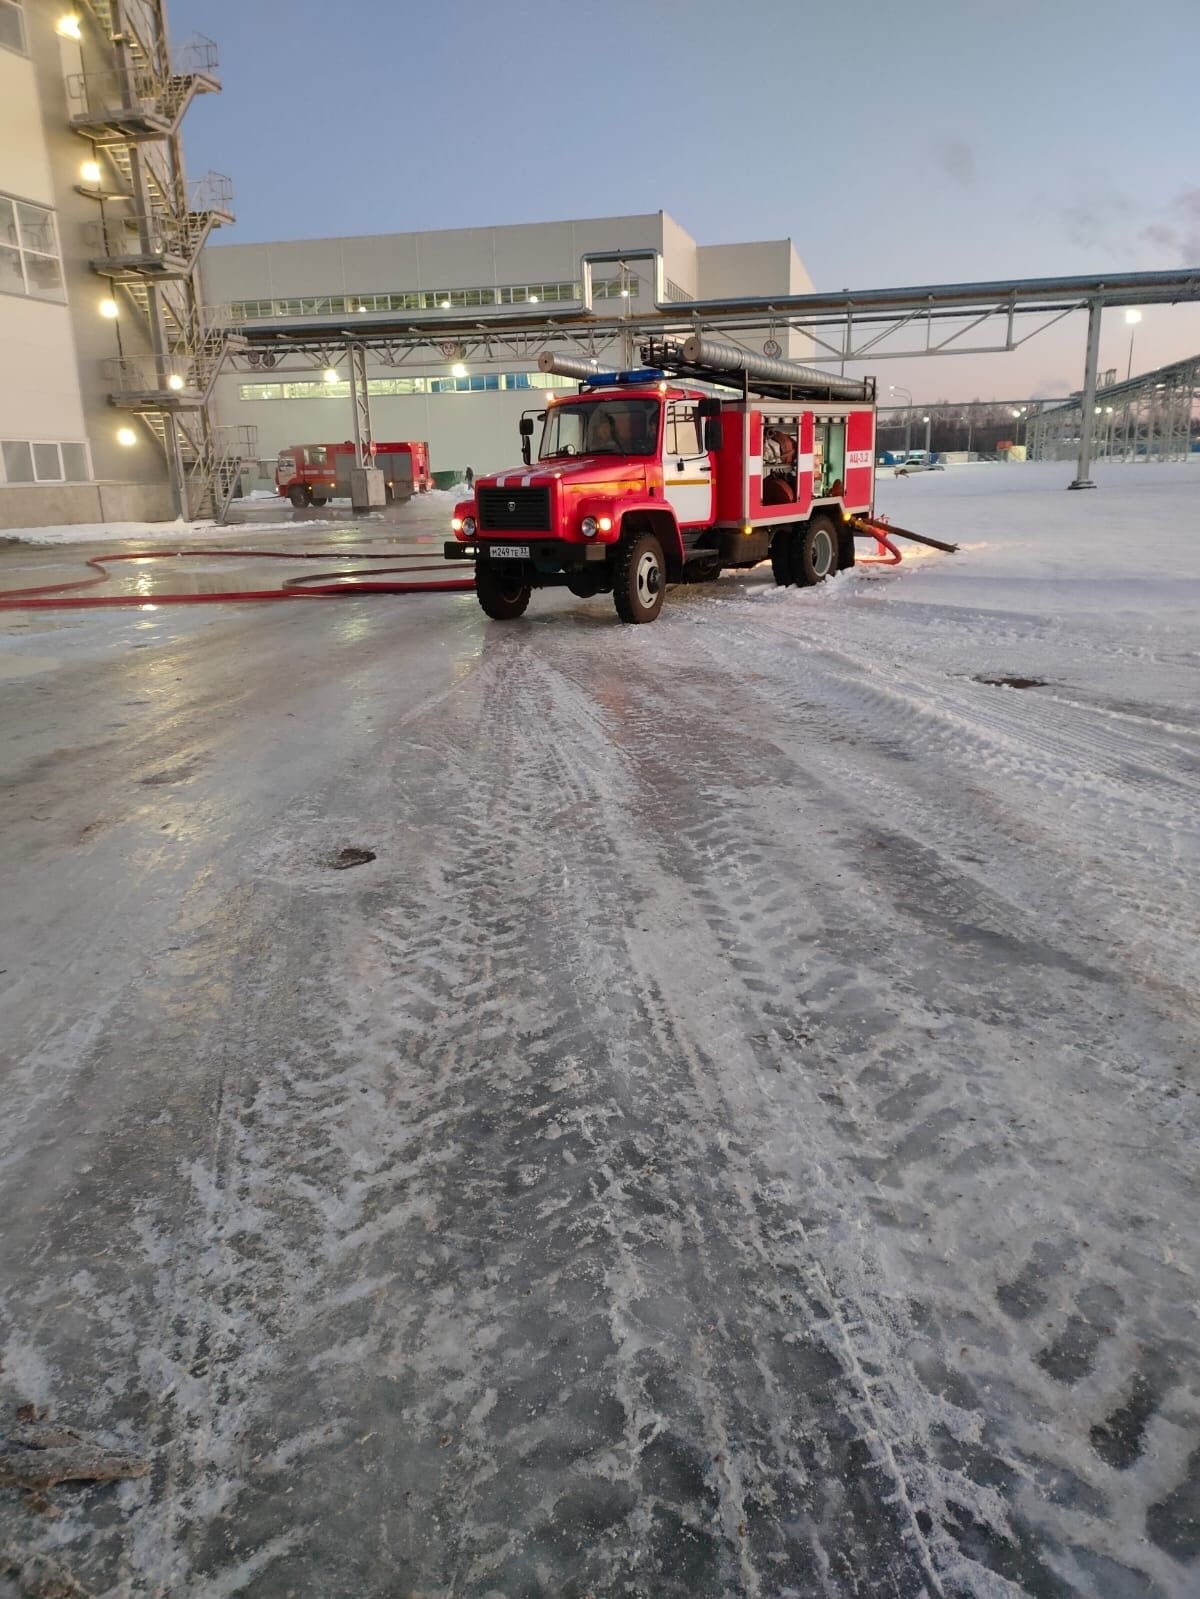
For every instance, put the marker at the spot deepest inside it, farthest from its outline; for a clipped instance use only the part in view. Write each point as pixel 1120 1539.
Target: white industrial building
pixel 107 360
pixel 467 412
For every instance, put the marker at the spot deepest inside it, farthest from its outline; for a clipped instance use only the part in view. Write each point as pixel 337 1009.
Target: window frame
pixel 18 8
pixel 38 481
pixel 23 250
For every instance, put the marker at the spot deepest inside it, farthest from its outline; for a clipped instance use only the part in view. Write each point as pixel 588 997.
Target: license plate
pixel 509 552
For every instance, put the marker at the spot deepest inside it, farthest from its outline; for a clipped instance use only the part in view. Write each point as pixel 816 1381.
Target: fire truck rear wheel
pixel 814 552
pixel 781 556
pixel 319 499
pixel 640 579
pixel 502 595
pixel 298 497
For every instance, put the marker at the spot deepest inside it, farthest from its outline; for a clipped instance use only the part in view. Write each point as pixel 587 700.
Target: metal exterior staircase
pixel 129 102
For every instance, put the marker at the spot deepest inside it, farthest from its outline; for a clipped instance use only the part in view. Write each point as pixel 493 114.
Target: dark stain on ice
pixel 1072 1354
pixel 1174 1522
pixel 1026 1293
pixel 1013 682
pixel 1118 1439
pixel 179 773
pixel 350 856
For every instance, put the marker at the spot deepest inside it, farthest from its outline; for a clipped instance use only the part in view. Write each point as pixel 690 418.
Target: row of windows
pixel 12 26
pixel 407 300
pixel 474 383
pixel 439 299
pixel 35 461
pixel 29 257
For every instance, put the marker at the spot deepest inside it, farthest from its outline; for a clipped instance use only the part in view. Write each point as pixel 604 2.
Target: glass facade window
pixel 29 257
pixel 382 388
pixel 12 26
pixel 430 299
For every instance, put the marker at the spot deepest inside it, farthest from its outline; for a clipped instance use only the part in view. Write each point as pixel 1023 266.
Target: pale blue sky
pixel 933 141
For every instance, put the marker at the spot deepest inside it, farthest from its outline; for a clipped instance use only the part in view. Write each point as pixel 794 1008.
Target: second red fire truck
pixel 313 474
pixel 644 478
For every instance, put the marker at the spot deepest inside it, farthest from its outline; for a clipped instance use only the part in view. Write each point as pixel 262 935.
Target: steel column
pixel 360 404
pixel 1092 361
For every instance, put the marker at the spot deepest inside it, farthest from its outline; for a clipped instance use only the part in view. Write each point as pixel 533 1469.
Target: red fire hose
pixel 321 586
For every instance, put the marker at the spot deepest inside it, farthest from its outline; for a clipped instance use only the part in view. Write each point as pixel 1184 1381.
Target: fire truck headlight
pixel 456 523
pixel 606 524
pixel 589 527
pixel 468 527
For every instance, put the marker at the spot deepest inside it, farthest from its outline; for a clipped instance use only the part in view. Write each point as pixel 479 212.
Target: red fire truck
pixel 645 478
pixel 311 474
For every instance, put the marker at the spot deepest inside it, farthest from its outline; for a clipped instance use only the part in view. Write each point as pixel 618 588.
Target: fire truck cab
pixel 645 478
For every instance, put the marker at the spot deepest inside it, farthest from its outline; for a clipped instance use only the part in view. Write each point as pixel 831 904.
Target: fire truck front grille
pixel 514 510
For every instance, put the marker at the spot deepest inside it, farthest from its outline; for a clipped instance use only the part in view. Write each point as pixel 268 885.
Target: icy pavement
pixel 738 1136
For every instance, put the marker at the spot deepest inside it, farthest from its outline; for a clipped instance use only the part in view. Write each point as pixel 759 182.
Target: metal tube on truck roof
pixel 568 366
pixel 699 351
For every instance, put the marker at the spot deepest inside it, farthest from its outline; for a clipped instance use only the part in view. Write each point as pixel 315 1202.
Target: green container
pixel 446 480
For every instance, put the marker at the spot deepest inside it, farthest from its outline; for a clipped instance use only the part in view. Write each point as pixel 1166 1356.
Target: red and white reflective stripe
pixel 512 480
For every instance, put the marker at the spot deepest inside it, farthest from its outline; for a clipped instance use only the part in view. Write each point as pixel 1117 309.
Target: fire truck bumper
pixel 547 556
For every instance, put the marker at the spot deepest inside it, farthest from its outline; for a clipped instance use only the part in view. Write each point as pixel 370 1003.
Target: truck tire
pixel 640 579
pixel 502 595
pixel 781 556
pixel 320 499
pixel 298 496
pixel 814 553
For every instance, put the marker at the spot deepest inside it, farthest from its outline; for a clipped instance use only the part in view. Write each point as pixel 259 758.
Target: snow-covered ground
pixel 737 1136
pixel 114 533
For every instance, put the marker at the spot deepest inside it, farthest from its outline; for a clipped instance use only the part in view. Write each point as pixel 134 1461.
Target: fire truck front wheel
pixel 640 579
pixel 814 552
pixel 298 496
pixel 503 595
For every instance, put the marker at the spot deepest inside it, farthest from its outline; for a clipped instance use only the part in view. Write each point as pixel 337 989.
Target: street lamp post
pixel 1132 318
pixel 928 425
pixel 1017 415
pixel 896 389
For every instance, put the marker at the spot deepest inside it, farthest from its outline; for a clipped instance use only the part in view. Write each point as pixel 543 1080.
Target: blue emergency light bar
pixel 608 380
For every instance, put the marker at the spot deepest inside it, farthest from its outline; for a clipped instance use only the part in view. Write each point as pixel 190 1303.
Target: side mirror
pixel 525 427
pixel 712 433
pixel 709 406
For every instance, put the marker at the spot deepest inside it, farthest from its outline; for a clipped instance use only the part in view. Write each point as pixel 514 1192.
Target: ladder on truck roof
pixel 711 361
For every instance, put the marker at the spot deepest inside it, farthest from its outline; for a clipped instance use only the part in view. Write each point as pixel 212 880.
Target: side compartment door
pixel 860 459
pixel 687 467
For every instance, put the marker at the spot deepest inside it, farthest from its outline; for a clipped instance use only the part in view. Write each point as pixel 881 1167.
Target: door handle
pixel 706 468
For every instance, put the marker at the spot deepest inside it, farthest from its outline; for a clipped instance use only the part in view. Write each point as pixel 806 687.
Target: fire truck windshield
pixel 600 427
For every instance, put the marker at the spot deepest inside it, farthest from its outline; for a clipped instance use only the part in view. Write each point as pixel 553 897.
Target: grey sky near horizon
pixel 933 142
